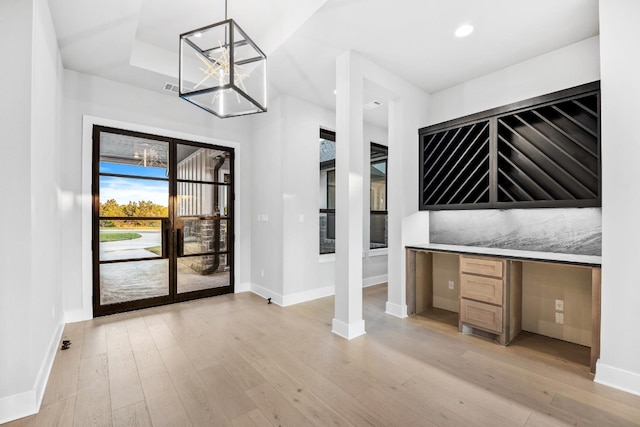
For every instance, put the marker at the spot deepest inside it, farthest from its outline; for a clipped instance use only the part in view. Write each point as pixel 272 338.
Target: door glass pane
pixel 379 186
pixel 133 197
pixel 202 164
pixel 130 239
pixel 202 200
pixel 204 236
pixel 203 272
pixel 130 281
pixel 130 155
pixel 331 189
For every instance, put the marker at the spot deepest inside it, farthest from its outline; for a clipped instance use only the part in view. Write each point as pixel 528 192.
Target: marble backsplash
pixel 561 230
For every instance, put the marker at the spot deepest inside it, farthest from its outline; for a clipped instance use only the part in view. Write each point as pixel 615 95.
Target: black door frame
pixel 170 249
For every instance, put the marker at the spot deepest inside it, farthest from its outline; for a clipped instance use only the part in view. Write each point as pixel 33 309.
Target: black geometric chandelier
pixel 222 70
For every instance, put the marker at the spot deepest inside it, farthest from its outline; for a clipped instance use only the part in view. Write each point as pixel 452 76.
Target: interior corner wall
pixel 31 312
pixel 619 364
pixel 286 264
pixel 266 203
pixel 86 95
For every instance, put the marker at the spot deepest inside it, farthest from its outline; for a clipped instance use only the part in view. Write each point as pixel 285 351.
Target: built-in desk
pixel 491 287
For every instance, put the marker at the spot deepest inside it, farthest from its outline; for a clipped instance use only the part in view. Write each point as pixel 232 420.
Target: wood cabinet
pixel 484 316
pixel 541 152
pixel 490 293
pixel 490 290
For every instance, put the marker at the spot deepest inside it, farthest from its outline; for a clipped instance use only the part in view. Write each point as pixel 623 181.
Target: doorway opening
pixel 162 225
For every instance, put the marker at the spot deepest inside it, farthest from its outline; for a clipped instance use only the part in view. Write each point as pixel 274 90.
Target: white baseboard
pixel 304 296
pixel 375 280
pixel 348 330
pixel 242 287
pixel 73 316
pixel 310 295
pixel 617 378
pixel 28 403
pixel 17 406
pixel 265 293
pixel 47 364
pixel 397 310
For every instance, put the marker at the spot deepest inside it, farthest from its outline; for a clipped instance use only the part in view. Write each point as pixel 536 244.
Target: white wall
pixel 285 204
pixel 570 66
pixel 138 109
pixel 15 179
pixel 266 203
pixel 31 293
pixel 619 364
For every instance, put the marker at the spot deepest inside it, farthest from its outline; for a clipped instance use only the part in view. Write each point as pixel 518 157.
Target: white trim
pixel 310 295
pixel 47 364
pixel 17 406
pixel 617 378
pixel 265 293
pixel 73 316
pixel 303 296
pixel 242 287
pixel 396 310
pixel 28 403
pixel 374 280
pixel 86 311
pixel 324 258
pixel 378 252
pixel 348 331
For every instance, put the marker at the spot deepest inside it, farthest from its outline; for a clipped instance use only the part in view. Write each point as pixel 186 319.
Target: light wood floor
pixel 234 360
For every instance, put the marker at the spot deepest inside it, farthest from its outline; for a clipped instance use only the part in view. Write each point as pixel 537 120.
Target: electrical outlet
pixel 559 305
pixel 560 318
pixel 451 286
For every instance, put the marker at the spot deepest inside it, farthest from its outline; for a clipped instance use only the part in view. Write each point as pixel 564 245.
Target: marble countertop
pixel 588 260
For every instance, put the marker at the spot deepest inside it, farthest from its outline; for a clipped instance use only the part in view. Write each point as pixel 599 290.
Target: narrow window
pixel 378 201
pixel 327 192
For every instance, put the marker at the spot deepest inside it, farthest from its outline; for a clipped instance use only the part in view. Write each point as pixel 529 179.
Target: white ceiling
pixel 136 41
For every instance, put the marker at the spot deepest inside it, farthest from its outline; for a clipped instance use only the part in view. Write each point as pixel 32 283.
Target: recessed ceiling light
pixel 464 30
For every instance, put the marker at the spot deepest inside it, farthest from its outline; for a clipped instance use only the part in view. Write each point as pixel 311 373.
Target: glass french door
pixel 162 220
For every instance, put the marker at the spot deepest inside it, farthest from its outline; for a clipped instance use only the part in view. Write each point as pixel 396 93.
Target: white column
pixel 396 304
pixel 348 321
pixel 619 364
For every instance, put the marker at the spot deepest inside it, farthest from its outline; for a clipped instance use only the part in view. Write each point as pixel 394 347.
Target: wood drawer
pixel 480 288
pixel 483 266
pixel 484 316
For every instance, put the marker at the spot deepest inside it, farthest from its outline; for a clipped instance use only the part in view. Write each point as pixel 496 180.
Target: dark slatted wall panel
pixel 455 166
pixel 549 152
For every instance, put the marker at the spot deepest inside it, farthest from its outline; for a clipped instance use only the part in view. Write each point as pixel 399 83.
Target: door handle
pixel 179 242
pixel 165 243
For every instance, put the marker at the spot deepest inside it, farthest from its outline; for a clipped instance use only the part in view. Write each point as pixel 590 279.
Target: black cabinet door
pixel 455 166
pixel 541 152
